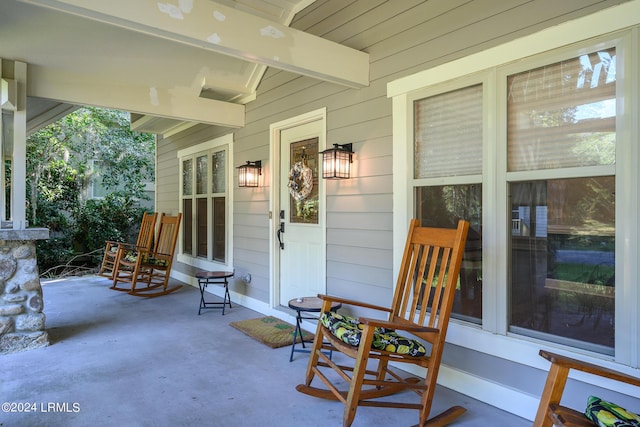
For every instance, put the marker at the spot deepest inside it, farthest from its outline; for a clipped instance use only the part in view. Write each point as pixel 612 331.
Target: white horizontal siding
pixel 361 221
pixel 366 257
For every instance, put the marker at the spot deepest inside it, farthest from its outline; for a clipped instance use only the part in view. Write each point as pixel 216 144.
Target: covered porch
pixel 119 360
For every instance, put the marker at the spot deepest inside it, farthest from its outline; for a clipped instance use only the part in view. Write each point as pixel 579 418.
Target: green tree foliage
pixel 114 218
pixel 61 161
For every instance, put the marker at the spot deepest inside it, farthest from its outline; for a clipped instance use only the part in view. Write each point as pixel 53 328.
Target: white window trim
pixel 492 337
pixel 206 264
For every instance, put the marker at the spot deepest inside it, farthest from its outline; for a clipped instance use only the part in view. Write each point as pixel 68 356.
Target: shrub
pixel 114 218
pixel 72 235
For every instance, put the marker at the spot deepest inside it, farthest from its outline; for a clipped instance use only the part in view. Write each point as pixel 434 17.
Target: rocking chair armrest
pixel 158 254
pixel 409 327
pixel 570 363
pixel 353 302
pixel 119 244
pixel 132 247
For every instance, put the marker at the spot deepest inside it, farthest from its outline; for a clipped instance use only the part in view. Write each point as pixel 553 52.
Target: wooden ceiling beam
pixel 225 30
pixel 178 105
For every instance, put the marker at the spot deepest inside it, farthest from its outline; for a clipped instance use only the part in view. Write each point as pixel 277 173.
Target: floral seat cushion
pixel 156 262
pixel 132 257
pixel 349 330
pixel 607 414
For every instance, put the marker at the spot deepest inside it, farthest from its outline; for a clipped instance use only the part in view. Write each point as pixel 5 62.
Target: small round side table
pixel 214 277
pixel 305 305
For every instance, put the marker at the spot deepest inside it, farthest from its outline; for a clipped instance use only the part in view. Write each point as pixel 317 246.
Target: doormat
pixel 270 331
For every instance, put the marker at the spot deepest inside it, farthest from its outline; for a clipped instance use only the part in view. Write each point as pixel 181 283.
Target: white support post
pixel 13 97
pixel 4 98
pixel 19 164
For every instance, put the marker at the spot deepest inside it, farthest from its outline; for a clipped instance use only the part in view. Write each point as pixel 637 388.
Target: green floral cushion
pixel 349 330
pixel 156 262
pixel 606 414
pixel 130 256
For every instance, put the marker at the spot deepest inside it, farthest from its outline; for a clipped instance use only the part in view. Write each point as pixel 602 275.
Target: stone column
pixel 21 304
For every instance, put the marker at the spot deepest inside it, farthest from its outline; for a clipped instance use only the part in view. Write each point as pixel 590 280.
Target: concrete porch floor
pixel 120 360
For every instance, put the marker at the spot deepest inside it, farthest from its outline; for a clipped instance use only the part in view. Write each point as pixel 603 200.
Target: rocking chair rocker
pixel 421 307
pixel 145 240
pixel 150 268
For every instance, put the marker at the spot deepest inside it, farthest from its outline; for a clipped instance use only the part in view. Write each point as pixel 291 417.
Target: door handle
pixel 279 233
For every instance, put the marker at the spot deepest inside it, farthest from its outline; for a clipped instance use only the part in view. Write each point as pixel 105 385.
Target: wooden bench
pixel 550 412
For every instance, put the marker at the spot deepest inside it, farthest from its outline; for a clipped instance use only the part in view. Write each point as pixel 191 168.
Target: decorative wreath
pixel 300 181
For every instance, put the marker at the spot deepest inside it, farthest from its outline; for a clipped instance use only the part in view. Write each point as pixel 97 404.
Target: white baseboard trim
pixel 241 299
pixel 505 398
pixel 494 394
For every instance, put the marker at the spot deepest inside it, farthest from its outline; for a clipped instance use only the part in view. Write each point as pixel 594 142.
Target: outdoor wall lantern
pixel 249 174
pixel 336 161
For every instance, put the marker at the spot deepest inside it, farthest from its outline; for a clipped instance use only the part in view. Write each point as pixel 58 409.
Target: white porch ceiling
pixel 170 62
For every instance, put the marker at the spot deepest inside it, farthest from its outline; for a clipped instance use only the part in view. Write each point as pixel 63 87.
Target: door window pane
pixel 562 261
pixel 303 173
pixel 563 115
pixel 443 206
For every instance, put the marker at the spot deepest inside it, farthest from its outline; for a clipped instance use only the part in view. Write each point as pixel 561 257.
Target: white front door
pixel 302 213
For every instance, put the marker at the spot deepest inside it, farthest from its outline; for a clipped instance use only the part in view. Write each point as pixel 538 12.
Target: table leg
pixel 297 332
pixel 227 296
pixel 201 285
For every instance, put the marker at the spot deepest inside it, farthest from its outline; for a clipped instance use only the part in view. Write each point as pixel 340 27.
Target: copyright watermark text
pixel 41 407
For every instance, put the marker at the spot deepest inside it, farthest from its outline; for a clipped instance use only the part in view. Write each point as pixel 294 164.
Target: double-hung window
pixel 447 179
pixel 204 196
pixel 560 174
pixel 535 152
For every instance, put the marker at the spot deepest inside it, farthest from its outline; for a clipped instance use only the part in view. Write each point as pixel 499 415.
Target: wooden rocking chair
pixel 421 307
pixel 149 268
pixel 551 412
pixel 145 240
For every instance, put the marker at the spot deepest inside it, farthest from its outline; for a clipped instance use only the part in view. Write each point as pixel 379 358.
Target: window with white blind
pixel 448 134
pixel 563 115
pixel 535 151
pixel 561 123
pixel 448 143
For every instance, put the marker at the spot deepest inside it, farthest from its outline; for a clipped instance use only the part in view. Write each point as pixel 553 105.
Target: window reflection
pixel 563 114
pixel 562 260
pixel 187 177
pixel 201 174
pixel 443 206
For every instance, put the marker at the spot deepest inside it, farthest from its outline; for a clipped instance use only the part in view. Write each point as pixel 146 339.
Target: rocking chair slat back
pixel 147 230
pixel 420 296
pixel 145 241
pixel 148 272
pixel 167 236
